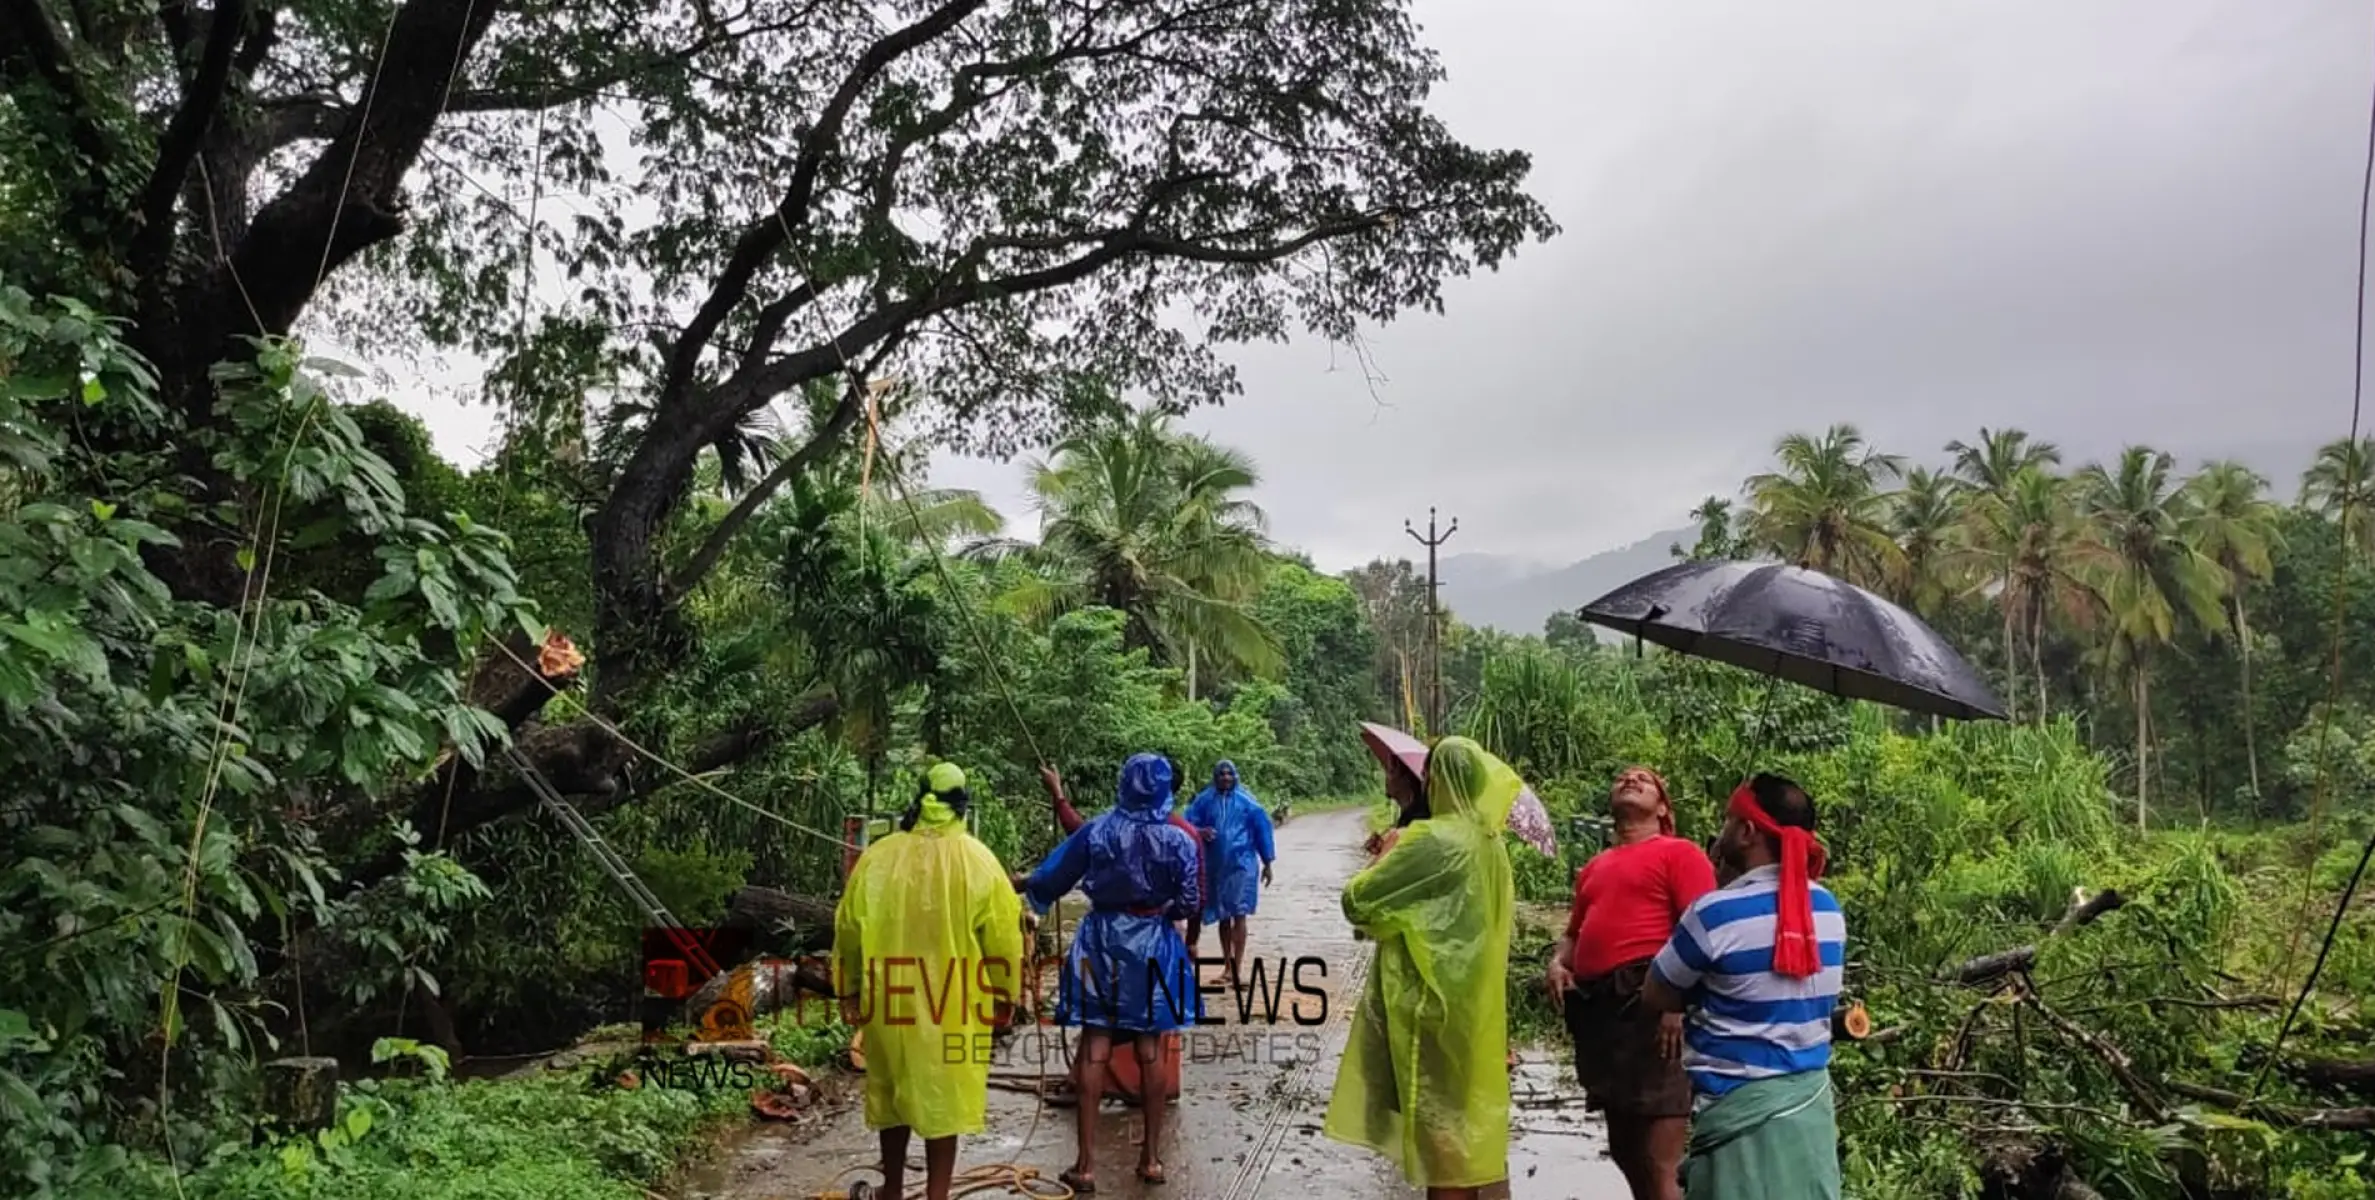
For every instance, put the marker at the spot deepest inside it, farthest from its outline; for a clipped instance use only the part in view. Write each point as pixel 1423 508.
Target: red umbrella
pixel 1529 820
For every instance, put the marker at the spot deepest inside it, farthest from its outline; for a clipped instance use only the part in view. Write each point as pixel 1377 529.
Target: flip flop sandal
pixel 1081 1185
pixel 1157 1177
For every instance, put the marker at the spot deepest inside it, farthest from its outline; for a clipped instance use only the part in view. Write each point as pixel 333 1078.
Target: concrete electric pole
pixel 1434 618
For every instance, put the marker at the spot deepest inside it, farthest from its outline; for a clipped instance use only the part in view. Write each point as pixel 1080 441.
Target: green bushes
pixel 1968 841
pixel 552 1136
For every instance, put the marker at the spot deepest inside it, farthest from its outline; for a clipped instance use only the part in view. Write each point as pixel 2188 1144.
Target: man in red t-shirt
pixel 1629 1058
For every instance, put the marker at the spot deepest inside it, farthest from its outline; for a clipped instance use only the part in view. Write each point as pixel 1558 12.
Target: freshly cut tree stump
pixel 302 1093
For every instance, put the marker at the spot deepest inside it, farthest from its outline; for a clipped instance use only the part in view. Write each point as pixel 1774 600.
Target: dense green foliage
pixel 167 844
pixel 2125 1051
pixel 257 642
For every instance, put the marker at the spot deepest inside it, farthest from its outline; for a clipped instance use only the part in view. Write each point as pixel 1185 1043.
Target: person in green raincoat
pixel 927 957
pixel 1425 1076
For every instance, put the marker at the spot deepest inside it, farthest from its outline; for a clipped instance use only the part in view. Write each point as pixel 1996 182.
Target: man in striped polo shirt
pixel 1757 964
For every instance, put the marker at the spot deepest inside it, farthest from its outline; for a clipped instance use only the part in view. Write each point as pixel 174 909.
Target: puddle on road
pixel 1246 1126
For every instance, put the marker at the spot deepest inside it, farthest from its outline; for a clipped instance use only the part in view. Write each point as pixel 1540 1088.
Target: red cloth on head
pixel 1665 803
pixel 1802 861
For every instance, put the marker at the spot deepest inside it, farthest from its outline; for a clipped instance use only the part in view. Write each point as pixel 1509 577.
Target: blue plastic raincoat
pixel 1425 1075
pixel 928 938
pixel 1240 843
pixel 1128 969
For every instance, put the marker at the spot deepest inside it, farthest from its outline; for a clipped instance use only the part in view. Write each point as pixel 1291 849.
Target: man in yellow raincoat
pixel 1425 1077
pixel 927 957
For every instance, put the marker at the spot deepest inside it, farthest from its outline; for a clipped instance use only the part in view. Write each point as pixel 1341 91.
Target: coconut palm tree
pixel 2230 520
pixel 745 452
pixel 1925 515
pixel 2340 485
pixel 1141 518
pixel 1825 509
pixel 1718 533
pixel 2024 540
pixel 1999 456
pixel 1992 466
pixel 2149 574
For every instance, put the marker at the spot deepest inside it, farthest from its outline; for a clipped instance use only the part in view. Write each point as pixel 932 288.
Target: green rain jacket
pixel 1425 1076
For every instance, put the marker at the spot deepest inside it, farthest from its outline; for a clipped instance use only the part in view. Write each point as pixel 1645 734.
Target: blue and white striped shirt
pixel 1747 1023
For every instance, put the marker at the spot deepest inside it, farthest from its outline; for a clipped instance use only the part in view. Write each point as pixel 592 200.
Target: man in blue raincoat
pixel 1128 976
pixel 1239 848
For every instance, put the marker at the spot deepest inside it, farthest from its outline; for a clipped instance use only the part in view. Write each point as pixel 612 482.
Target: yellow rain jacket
pixel 1425 1077
pixel 928 936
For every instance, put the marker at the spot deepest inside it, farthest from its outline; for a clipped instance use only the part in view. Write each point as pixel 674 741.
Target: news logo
pixel 646 1067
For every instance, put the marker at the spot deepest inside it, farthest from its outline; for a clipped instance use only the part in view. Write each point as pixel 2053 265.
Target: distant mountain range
pixel 1517 596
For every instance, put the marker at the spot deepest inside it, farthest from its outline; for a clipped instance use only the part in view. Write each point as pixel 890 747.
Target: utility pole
pixel 1434 618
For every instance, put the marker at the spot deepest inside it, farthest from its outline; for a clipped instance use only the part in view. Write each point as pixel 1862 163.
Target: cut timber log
pixel 770 985
pixel 302 1093
pixel 1988 968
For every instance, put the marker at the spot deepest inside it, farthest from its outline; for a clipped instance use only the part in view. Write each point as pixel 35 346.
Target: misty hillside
pixel 1517 597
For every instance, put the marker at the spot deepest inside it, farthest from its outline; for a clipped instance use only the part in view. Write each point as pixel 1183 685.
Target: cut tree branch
pixel 743 741
pixel 1987 968
pixel 185 134
pixel 2346 1119
pixel 2116 1060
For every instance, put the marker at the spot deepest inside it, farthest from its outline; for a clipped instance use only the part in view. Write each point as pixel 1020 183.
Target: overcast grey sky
pixel 2100 220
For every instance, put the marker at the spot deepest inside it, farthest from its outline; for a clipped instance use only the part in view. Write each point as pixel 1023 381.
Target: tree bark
pixel 349 199
pixel 2143 765
pixel 2037 654
pixel 2251 749
pixel 766 908
pixel 2011 657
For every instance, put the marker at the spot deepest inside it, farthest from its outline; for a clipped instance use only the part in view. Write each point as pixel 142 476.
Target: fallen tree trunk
pixel 768 909
pixel 1988 968
pixel 2355 1076
pixel 2346 1119
pixel 2147 1098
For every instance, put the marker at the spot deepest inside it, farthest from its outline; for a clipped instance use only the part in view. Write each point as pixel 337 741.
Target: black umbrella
pixel 1803 626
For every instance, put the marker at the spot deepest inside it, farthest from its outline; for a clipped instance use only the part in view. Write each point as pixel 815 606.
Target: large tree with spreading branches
pixel 1026 207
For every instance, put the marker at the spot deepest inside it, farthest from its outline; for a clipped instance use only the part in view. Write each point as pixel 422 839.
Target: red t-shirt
pixel 1627 899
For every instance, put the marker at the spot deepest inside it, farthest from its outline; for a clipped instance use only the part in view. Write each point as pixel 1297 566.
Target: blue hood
pixel 1145 788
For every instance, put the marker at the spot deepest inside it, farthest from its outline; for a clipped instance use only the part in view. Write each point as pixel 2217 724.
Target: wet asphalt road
pixel 1246 1126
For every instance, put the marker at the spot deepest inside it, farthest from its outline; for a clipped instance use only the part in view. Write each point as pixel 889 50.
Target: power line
pixel 2349 498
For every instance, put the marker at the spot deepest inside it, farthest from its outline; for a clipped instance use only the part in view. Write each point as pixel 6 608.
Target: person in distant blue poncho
pixel 1128 974
pixel 1238 850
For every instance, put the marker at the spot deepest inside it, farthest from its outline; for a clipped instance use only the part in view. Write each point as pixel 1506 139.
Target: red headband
pixel 1802 860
